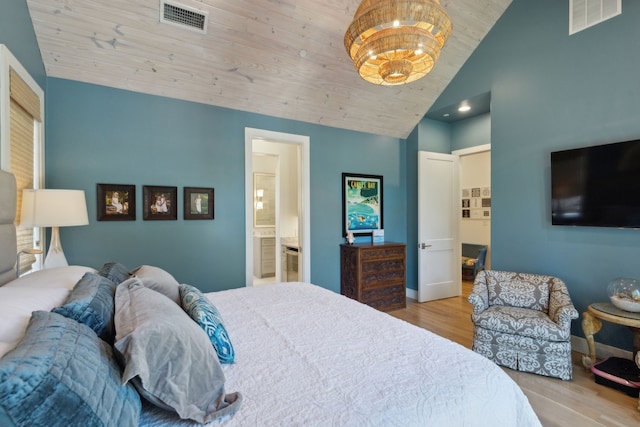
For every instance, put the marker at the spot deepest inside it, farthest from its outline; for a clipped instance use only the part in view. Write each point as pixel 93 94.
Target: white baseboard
pixel 578 344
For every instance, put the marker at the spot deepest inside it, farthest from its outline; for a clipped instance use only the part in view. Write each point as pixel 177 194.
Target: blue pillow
pixel 115 272
pixel 205 314
pixel 91 303
pixel 61 374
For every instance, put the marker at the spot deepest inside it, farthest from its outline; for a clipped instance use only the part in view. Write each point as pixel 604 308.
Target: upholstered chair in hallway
pixel 523 321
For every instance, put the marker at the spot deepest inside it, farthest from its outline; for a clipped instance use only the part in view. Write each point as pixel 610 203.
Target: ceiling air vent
pixel 183 16
pixel 587 13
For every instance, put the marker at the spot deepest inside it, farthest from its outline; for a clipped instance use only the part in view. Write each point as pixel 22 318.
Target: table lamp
pixel 53 208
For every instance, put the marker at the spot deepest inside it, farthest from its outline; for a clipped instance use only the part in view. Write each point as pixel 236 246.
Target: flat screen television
pixel 597 186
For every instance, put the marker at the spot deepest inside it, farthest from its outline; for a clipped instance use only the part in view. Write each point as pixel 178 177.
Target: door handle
pixel 423 246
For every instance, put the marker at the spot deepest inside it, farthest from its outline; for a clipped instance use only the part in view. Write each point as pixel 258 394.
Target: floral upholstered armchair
pixel 523 321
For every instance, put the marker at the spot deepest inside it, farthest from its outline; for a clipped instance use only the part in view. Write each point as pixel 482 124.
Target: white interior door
pixel 438 247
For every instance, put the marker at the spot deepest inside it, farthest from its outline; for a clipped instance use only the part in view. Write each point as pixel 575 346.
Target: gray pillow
pixel 62 374
pixel 168 357
pixel 159 280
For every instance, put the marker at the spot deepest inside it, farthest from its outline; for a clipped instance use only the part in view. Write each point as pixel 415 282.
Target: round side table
pixel 608 312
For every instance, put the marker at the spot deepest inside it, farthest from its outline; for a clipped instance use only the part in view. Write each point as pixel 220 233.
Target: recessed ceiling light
pixel 445 115
pixel 464 108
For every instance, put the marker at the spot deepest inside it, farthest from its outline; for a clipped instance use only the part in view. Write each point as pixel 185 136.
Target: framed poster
pixel 198 203
pixel 116 202
pixel 362 204
pixel 160 203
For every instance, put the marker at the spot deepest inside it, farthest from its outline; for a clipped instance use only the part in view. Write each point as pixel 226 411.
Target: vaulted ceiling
pixel 282 58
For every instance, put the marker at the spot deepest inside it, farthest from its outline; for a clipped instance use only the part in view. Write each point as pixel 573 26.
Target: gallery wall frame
pixel 476 203
pixel 116 202
pixel 198 203
pixel 362 203
pixel 159 203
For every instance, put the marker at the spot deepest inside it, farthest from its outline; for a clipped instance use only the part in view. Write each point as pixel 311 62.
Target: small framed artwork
pixel 362 204
pixel 160 203
pixel 198 203
pixel 476 203
pixel 116 202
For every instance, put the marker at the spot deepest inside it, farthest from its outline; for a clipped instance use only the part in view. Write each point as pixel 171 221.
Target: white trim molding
pixel 7 60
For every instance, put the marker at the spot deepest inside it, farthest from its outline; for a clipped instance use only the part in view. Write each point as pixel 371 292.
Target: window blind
pixel 23 95
pixel 24 112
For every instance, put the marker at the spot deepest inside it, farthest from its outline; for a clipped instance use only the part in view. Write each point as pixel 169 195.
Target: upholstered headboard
pixel 8 245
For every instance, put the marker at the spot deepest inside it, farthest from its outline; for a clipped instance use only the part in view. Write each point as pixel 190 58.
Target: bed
pixel 301 355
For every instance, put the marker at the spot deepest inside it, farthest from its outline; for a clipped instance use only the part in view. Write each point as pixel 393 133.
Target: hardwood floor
pixel 580 402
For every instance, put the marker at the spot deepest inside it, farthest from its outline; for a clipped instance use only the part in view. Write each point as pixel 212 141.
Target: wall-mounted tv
pixel 597 186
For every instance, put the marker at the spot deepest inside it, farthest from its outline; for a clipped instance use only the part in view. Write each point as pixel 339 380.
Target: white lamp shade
pixel 53 208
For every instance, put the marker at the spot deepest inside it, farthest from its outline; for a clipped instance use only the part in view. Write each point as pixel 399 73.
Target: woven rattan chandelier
pixel 395 42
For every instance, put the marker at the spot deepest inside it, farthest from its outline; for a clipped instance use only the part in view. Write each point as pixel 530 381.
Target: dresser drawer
pixel 385 297
pixel 268 241
pixel 375 253
pixel 268 267
pixel 269 252
pixel 375 273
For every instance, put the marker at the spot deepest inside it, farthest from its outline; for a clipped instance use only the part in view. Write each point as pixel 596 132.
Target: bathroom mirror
pixel 264 196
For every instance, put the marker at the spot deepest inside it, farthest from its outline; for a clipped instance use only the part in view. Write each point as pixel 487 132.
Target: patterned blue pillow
pixel 61 374
pixel 115 272
pixel 91 303
pixel 205 314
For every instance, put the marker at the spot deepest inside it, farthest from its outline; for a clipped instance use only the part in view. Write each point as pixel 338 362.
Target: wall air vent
pixel 587 13
pixel 183 16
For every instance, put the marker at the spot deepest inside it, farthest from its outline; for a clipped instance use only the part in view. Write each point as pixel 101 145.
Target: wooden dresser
pixel 374 274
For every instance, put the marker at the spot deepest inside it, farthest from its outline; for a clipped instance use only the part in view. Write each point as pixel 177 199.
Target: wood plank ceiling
pixel 282 58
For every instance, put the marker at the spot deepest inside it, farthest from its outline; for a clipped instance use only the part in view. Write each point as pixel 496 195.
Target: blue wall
pixel 428 135
pixel 471 132
pixel 411 171
pixel 551 91
pixel 16 32
pixel 102 135
pixel 438 137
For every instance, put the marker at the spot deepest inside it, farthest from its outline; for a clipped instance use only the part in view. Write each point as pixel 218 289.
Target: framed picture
pixel 476 203
pixel 116 202
pixel 160 203
pixel 362 204
pixel 198 203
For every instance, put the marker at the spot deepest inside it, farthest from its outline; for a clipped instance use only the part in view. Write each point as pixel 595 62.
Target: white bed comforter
pixel 306 356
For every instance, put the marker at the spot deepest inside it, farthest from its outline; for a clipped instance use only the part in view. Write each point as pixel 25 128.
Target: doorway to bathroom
pixel 277 200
